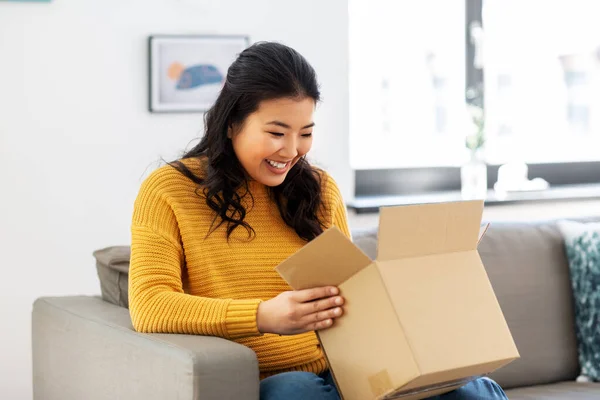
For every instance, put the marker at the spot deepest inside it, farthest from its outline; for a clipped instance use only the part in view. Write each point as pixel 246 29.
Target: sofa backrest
pixel 528 269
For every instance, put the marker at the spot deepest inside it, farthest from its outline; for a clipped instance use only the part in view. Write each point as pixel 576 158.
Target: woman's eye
pixel 276 134
pixel 307 134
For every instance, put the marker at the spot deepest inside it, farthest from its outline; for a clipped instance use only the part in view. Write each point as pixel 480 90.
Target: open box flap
pixel 424 229
pixel 329 259
pixel 482 231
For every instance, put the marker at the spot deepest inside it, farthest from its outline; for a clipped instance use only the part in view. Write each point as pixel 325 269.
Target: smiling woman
pixel 229 211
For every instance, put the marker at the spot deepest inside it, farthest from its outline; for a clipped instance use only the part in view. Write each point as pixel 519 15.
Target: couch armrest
pixel 86 348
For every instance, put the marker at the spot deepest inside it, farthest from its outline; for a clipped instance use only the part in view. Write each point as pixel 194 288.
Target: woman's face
pixel 273 138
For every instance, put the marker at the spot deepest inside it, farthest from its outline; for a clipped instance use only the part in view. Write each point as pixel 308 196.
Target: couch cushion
pixel 366 240
pixel 557 391
pixel 527 267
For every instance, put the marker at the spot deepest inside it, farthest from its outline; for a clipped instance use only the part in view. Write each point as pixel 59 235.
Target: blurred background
pixel 423 101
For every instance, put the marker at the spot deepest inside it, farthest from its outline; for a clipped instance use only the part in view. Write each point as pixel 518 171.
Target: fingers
pixel 304 296
pixel 317 306
pixel 323 319
pixel 324 316
pixel 315 326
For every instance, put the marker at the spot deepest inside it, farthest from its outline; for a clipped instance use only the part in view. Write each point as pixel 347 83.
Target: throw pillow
pixel 112 264
pixel 582 244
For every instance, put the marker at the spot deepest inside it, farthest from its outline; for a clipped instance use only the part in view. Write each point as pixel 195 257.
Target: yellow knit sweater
pixel 183 281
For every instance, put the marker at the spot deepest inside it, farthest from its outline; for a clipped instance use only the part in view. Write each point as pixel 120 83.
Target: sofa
pixel 85 348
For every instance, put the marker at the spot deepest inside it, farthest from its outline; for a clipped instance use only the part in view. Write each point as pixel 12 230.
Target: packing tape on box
pixel 380 382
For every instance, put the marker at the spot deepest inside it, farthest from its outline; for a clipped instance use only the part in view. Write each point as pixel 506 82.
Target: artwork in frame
pixel 188 72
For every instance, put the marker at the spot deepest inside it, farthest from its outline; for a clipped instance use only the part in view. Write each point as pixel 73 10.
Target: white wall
pixel 76 139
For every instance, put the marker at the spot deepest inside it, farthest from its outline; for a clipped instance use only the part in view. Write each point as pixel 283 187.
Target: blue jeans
pixel 306 385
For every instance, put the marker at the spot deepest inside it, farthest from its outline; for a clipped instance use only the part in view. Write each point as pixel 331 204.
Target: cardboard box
pixel 423 318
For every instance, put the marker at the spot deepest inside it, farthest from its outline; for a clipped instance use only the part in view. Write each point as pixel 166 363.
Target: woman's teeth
pixel 277 164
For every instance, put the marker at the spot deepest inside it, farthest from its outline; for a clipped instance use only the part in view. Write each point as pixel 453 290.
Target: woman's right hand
pixel 300 311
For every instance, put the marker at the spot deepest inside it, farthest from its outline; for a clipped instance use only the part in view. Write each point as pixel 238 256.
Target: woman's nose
pixel 289 149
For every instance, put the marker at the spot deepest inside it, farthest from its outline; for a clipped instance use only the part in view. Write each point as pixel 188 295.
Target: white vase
pixel 473 178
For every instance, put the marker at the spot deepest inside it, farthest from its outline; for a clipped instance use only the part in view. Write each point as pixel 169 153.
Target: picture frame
pixel 187 72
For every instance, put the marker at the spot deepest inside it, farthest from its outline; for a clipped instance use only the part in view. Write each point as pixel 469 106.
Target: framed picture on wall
pixel 187 72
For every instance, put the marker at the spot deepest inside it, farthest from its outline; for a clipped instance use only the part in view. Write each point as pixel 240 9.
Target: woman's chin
pixel 273 181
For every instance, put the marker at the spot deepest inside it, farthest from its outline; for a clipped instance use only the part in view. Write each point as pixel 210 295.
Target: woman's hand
pixel 300 311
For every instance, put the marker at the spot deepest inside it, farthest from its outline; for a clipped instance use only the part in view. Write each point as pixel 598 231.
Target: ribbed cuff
pixel 241 319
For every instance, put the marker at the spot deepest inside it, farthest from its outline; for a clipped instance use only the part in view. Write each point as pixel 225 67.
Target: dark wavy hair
pixel 264 71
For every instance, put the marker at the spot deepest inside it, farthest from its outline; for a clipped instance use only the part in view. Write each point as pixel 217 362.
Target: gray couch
pixel 85 348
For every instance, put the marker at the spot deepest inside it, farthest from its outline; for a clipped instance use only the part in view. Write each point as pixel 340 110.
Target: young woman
pixel 208 230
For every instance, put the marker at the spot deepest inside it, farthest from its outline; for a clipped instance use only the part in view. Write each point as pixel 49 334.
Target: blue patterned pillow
pixel 582 244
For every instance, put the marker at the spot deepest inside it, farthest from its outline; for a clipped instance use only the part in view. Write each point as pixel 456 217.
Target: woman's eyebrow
pixel 286 126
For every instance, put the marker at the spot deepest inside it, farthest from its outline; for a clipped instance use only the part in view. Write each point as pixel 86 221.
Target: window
pixel 411 63
pixel 542 80
pixel 407 81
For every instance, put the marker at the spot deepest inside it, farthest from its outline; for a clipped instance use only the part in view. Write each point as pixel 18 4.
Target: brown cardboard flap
pixel 482 231
pixel 425 229
pixel 329 259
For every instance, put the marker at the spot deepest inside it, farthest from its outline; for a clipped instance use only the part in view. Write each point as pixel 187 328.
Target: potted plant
pixel 473 173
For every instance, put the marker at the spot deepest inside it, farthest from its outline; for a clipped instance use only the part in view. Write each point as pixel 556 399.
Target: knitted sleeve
pixel 157 302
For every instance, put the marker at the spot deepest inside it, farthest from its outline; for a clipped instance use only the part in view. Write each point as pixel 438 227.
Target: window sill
pixel 371 204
